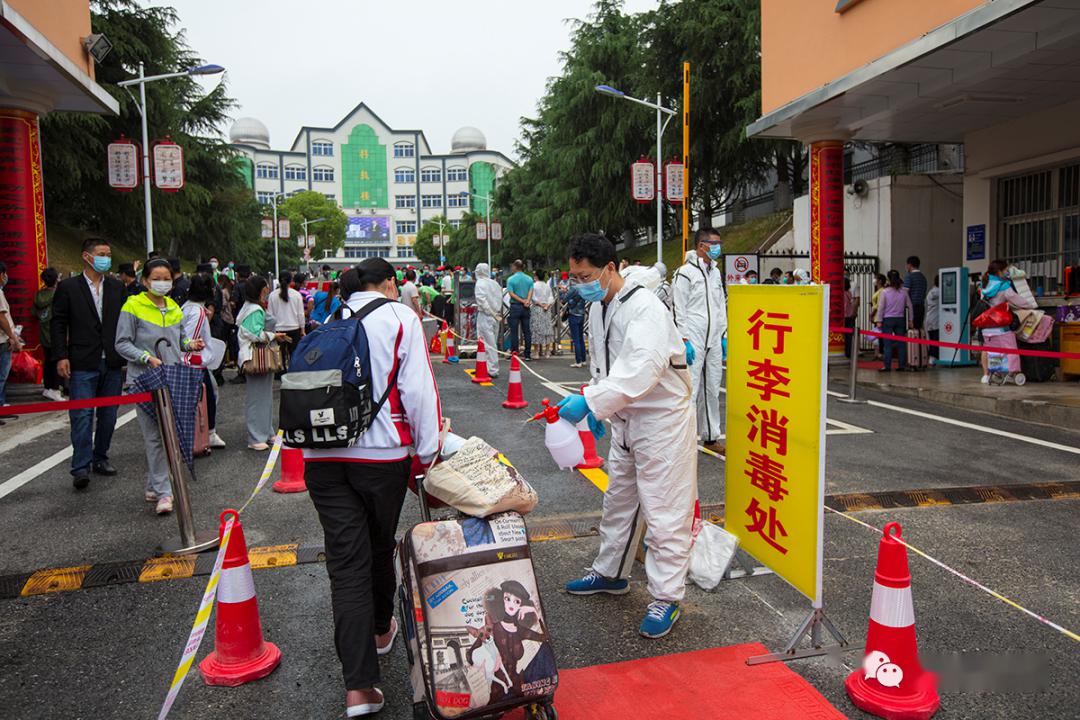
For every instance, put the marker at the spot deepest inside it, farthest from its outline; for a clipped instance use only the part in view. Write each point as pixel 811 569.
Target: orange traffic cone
pixel 480 374
pixel 292 472
pixel 891 682
pixel 451 349
pixel 436 341
pixel 240 653
pixel 592 460
pixel 515 398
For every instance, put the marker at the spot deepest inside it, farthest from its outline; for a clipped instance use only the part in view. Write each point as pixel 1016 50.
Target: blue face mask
pixel 714 252
pixel 592 291
pixel 102 263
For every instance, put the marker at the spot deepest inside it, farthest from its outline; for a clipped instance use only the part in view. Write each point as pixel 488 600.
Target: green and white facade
pixel 388 181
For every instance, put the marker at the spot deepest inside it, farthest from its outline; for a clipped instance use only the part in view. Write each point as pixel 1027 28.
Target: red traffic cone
pixel 240 653
pixel 592 460
pixel 515 398
pixel 292 472
pixel 451 349
pixel 480 374
pixel 891 682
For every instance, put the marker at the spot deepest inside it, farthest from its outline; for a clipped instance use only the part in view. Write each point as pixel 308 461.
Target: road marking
pixel 470 372
pixel 12 484
pixel 597 477
pixel 970 426
pixel 33 433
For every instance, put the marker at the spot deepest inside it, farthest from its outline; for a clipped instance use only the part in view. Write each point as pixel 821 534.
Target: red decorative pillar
pixel 827 230
pixel 22 216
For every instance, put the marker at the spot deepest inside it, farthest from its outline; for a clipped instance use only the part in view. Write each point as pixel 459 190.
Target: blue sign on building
pixel 976 242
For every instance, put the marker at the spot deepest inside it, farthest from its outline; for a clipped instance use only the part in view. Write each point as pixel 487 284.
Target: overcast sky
pixel 432 65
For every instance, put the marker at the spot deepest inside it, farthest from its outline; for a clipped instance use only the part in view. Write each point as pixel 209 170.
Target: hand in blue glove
pixel 690 354
pixel 573 408
pixel 596 426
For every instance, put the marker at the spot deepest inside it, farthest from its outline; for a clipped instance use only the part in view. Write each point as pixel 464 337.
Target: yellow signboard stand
pixel 775 468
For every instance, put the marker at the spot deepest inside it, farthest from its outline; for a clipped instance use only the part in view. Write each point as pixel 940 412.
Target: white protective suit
pixel 653 277
pixel 700 307
pixel 641 385
pixel 488 315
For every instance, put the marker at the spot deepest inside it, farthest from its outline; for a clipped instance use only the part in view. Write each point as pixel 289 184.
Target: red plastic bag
pixel 995 317
pixel 25 368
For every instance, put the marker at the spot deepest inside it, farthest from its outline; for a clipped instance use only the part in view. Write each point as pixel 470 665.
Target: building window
pixel 431 175
pixel 455 224
pixel 404 251
pixel 322 174
pixel 458 201
pixel 404 201
pixel 265 198
pixel 431 201
pixel 295 172
pixel 405 227
pixel 367 252
pixel 266 171
pixel 457 174
pixel 404 175
pixel 323 148
pixel 402 150
pixel 330 196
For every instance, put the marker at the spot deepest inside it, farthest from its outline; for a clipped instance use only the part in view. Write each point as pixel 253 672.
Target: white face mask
pixel 160 288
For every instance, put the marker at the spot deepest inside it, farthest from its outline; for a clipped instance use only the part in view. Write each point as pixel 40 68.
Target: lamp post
pixel 141 105
pixel 660 110
pixel 486 199
pixel 305 223
pixel 274 203
pixel 441 224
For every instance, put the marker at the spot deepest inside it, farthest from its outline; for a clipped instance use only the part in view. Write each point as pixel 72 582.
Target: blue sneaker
pixel 594 582
pixel 659 618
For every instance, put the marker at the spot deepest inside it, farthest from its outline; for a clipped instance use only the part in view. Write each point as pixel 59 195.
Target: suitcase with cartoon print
pixel 474 628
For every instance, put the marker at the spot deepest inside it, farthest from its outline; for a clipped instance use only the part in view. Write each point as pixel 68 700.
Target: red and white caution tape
pixel 30 408
pixel 961 346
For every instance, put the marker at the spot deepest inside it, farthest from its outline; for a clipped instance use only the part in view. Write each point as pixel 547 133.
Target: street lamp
pixel 305 223
pixel 660 110
pixel 141 105
pixel 274 203
pixel 488 200
pixel 441 224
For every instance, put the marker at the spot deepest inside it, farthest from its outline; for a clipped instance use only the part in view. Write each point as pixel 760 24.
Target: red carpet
pixel 715 683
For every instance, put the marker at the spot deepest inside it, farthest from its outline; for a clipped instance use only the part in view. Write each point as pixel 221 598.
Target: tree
pixel 309 205
pixel 215 213
pixel 425 248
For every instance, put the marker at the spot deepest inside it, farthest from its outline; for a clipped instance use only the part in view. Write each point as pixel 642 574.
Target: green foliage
pixel 215 214
pixel 309 205
pixel 461 249
pixel 425 247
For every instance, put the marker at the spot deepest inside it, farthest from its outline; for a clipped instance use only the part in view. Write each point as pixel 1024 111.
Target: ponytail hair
pixel 285 279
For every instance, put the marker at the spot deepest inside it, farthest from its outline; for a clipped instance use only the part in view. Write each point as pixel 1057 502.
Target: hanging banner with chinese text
pixel 123 164
pixel 481 231
pixel 673 181
pixel 168 160
pixel 775 467
pixel 496 230
pixel 643 181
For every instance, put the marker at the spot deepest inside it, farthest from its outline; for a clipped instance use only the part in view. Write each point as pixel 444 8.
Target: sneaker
pixel 382 649
pixel 215 441
pixel 53 395
pixel 659 618
pixel 985 380
pixel 594 582
pixel 150 496
pixel 367 708
pixel 259 446
pixel 164 505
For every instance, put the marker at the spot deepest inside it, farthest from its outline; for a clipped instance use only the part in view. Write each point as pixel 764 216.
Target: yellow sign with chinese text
pixel 775 466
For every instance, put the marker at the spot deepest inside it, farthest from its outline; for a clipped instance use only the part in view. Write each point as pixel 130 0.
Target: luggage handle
pixel 425 511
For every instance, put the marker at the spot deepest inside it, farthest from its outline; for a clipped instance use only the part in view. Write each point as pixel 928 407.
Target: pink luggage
pixel 1001 338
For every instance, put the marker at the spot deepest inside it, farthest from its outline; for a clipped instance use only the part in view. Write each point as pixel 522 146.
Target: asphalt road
pixel 110 651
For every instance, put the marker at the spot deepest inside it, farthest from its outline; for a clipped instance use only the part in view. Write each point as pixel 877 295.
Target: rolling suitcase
pixel 918 355
pixel 1038 369
pixel 475 631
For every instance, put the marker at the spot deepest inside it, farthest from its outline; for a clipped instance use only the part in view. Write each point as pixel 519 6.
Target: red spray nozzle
pixel 549 413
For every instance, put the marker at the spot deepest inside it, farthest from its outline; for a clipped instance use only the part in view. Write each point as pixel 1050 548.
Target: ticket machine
pixel 954 321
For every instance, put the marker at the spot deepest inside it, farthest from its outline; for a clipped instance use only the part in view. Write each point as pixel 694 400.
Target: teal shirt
pixel 520 284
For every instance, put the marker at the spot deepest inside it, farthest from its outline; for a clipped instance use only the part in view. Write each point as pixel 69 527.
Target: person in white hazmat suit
pixel 700 308
pixel 653 277
pixel 489 312
pixel 641 384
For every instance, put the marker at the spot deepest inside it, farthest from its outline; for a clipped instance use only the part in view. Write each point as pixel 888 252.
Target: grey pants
pixel 157 465
pixel 259 407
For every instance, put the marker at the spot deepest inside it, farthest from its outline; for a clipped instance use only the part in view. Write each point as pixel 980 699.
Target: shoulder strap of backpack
pixel 359 316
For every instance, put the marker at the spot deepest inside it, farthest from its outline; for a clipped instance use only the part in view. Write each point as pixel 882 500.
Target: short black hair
pixel 776 272
pixel 373 272
pixel 174 264
pixel 913 261
pixel 128 269
pixel 410 275
pixel 253 288
pixel 92 242
pixel 518 264
pixel 49 276
pixel 703 234
pixel 595 248
pixel 202 288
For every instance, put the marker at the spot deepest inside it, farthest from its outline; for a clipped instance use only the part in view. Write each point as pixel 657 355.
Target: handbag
pixel 997 316
pixel 265 359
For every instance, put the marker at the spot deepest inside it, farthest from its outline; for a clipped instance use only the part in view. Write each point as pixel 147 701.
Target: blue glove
pixel 573 408
pixel 690 354
pixel 596 427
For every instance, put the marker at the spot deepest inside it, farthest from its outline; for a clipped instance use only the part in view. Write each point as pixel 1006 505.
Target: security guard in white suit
pixel 640 383
pixel 700 307
pixel 489 312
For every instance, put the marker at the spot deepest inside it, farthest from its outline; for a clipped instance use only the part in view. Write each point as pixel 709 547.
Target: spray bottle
pixel 560 437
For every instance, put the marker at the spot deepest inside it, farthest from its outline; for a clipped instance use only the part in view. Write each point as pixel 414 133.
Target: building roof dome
pixel 468 139
pixel 249 131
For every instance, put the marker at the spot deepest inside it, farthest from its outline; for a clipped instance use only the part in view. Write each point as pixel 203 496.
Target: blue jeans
pixel 577 337
pixel 894 326
pixel 519 316
pixel 5 368
pixel 89 446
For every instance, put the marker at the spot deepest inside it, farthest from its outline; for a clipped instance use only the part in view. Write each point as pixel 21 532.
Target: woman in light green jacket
pixel 254 325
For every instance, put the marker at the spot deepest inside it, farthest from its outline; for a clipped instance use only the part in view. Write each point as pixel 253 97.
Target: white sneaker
pixel 366 708
pixel 53 395
pixel 215 441
pixel 164 505
pixel 985 380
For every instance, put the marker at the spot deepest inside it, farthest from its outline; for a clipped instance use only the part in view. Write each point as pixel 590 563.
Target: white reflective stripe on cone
pixel 236 585
pixel 892 607
pixel 515 376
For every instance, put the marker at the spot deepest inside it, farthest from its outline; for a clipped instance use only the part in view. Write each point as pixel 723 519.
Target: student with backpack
pixel 359 486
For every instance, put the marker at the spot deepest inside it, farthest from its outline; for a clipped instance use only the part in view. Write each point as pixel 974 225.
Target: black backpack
pixel 326 398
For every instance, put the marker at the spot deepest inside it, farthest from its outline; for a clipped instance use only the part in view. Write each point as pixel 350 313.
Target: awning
pixel 34 69
pixel 1003 60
